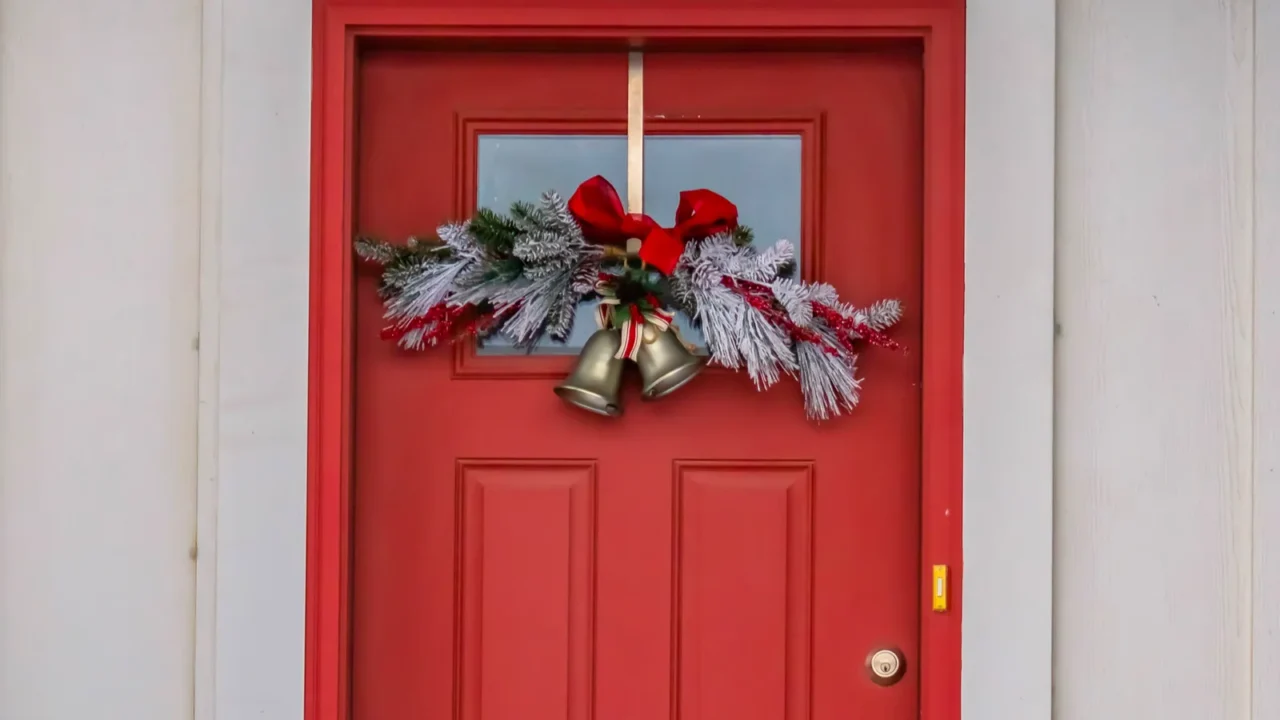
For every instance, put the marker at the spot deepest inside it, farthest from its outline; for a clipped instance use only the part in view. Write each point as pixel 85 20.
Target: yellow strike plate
pixel 939 588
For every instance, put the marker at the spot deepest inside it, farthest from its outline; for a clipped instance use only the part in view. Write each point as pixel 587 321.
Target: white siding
pixel 254 375
pixel 99 221
pixel 1155 361
pixel 1008 360
pixel 1266 369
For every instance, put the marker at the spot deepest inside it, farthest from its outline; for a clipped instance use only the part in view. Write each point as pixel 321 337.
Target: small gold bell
pixel 665 363
pixel 594 383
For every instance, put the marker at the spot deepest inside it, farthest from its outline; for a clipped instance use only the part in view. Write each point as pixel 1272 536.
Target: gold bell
pixel 594 383
pixel 665 363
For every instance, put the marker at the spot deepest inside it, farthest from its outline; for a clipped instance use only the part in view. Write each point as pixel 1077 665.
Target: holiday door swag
pixel 523 274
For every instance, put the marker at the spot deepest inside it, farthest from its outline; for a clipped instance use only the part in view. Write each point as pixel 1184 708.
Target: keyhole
pixel 884 667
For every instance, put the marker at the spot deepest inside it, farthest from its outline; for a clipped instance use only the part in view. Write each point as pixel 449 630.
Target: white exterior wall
pixel 1165 599
pixel 99 231
pixel 154 185
pixel 254 279
pixel 1265 548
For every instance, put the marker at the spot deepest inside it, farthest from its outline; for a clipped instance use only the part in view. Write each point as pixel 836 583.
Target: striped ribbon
pixel 633 327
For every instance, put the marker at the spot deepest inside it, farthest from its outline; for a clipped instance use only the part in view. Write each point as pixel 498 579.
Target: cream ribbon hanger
pixel 635 139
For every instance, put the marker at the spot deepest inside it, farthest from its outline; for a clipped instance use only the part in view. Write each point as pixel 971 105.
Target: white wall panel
pixel 99 215
pixel 254 389
pixel 1155 360
pixel 1008 361
pixel 1266 355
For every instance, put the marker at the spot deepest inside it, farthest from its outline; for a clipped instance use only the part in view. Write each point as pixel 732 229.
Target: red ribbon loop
pixel 598 209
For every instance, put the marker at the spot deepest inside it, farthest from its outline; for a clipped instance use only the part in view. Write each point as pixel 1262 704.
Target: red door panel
pixel 712 555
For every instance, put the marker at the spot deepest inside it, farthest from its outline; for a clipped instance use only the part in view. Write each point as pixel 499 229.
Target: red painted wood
pixel 334 600
pixel 526 540
pixel 744 637
pixel 862 580
pixel 942 442
pixel 412 528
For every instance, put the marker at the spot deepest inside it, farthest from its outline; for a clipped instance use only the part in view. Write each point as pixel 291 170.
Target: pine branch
pixel 385 253
pixel 883 314
pixel 375 250
pixel 523 215
pixel 495 232
pixel 504 270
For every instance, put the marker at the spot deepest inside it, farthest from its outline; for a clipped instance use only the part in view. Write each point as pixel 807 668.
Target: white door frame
pixel 255 251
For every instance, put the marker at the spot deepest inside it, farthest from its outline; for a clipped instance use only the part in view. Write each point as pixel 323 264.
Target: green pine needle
pixel 524 212
pixel 494 231
pixel 505 269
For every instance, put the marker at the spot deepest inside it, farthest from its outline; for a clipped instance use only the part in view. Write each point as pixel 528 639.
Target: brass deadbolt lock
pixel 886 667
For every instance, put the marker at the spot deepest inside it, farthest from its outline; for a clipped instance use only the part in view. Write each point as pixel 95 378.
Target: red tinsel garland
pixel 846 329
pixel 761 298
pixel 446 323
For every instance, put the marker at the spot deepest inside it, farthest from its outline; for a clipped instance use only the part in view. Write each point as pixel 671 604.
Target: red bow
pixel 598 209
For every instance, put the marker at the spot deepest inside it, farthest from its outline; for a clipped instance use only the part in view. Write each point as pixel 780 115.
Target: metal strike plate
pixel 941 578
pixel 886 667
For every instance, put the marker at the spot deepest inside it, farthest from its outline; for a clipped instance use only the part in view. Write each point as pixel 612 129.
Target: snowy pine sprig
pixel 737 335
pixel 556 268
pixel 755 316
pixel 524 272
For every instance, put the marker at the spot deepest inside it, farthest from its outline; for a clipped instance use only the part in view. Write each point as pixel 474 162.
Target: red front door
pixel 710 556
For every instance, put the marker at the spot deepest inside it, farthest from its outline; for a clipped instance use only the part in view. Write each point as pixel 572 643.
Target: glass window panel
pixel 758 173
pixel 522 167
